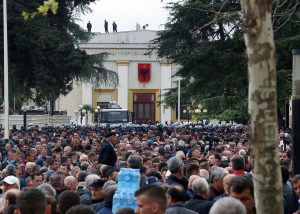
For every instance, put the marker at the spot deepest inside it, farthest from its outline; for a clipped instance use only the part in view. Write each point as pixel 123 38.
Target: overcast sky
pixel 126 13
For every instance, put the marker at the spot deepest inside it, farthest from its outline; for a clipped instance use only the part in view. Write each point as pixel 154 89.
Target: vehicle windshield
pixel 113 117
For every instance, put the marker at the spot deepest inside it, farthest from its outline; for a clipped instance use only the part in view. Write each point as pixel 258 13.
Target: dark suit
pixel 107 154
pixel 198 204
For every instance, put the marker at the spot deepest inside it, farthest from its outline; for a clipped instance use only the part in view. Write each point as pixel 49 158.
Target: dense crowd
pixel 184 168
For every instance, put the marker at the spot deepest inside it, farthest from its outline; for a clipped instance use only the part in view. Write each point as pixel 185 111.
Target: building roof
pixel 125 37
pixel 127 43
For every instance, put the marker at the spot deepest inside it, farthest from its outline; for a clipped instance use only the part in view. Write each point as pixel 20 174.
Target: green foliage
pixel 206 40
pixel 50 5
pixel 284 87
pixel 226 107
pixel 87 107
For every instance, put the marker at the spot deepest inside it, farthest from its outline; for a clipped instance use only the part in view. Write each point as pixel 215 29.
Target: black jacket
pixel 173 180
pixel 198 204
pixel 107 154
pixel 213 192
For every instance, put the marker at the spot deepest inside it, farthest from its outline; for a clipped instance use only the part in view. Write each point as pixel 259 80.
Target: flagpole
pixel 6 100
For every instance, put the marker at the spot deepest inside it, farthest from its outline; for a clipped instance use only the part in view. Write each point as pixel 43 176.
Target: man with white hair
pixel 67 150
pixel 180 154
pixel 75 170
pixel 216 179
pixel 228 205
pixel 204 174
pixel 28 170
pixel 199 203
pixel 83 158
pixel 71 183
pixel 86 197
pixel 189 191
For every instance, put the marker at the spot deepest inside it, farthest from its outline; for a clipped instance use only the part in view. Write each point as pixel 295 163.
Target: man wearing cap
pixel 97 194
pixel 175 165
pixel 9 182
pixel 107 153
pixel 152 180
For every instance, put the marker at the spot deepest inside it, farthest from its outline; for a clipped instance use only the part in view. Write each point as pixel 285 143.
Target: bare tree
pixel 258 35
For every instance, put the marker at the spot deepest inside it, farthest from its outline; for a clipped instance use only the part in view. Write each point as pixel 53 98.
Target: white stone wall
pixel 71 101
pixel 87 95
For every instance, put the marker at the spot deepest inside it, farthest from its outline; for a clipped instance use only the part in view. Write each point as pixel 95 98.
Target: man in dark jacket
pixel 290 199
pixel 175 165
pixel 199 202
pixel 107 153
pixel 97 202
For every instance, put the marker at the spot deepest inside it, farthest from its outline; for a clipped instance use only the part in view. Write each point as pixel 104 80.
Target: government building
pixel 143 78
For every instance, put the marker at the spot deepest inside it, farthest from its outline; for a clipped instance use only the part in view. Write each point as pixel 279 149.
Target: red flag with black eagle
pixel 144 72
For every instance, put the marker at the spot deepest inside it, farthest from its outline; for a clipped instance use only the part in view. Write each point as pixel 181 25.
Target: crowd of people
pixel 185 168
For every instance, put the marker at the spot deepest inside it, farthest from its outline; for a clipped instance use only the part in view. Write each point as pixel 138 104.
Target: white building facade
pixel 143 78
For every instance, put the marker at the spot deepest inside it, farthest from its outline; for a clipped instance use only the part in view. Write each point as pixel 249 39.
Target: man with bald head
pixel 226 181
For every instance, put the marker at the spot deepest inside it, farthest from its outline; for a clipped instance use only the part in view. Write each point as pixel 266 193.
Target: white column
pixel 166 74
pixel 123 84
pixel 84 120
pixel 87 95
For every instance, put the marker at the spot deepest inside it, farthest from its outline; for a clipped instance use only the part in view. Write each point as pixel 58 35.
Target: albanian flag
pixel 144 73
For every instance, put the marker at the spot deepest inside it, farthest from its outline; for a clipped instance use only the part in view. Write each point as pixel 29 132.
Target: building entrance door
pixel 144 107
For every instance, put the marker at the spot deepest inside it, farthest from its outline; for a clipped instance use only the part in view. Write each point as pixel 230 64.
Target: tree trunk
pixel 258 34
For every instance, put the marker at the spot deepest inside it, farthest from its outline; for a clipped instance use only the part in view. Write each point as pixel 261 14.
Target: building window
pixel 105 96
